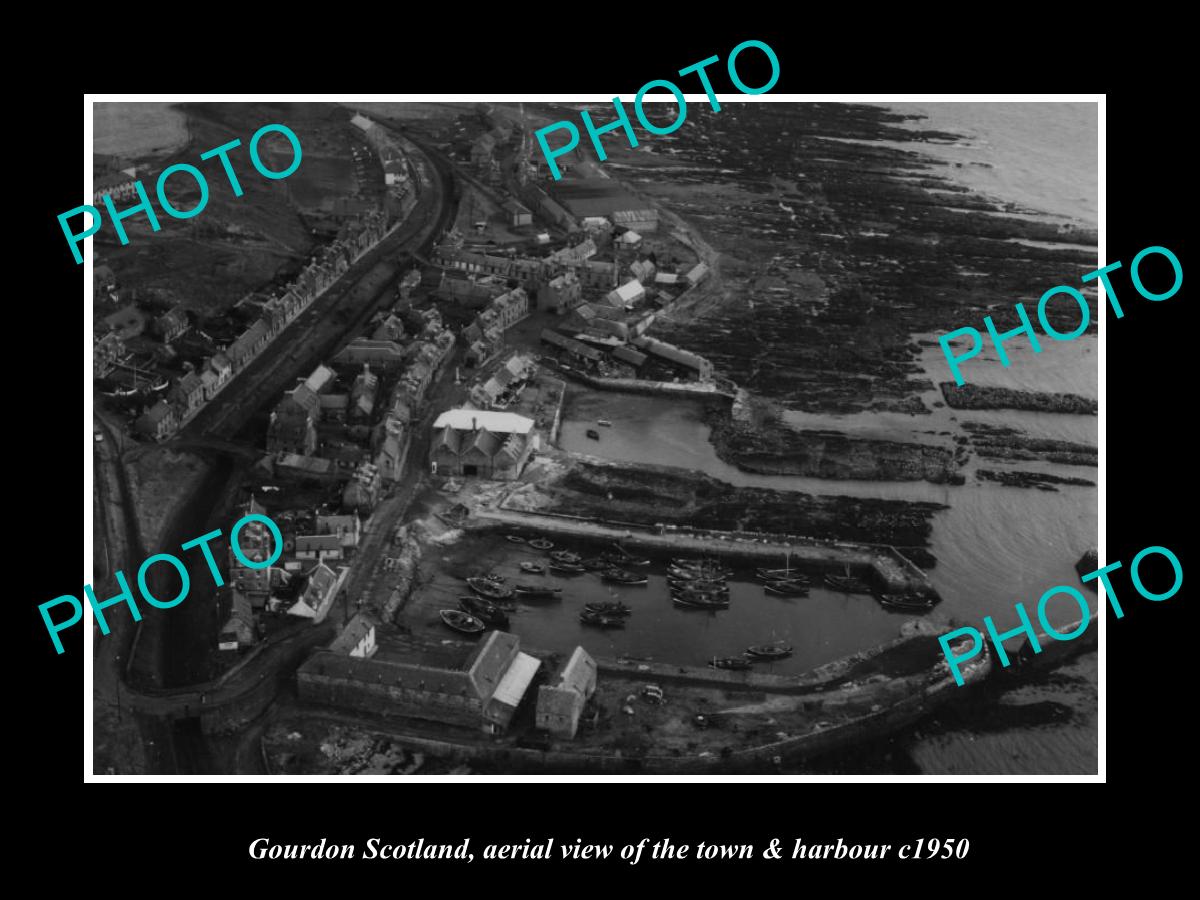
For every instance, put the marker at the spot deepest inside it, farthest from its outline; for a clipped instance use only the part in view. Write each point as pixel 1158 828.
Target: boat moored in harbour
pixel 533 591
pixel 462 622
pixel 484 610
pixel 769 651
pixel 488 588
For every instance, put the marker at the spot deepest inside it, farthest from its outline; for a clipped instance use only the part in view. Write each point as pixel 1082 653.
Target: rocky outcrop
pixel 1000 442
pixel 1040 480
pixel 974 396
pixel 774 449
pixel 648 495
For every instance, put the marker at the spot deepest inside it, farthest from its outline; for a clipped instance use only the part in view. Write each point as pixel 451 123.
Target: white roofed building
pixel 481 443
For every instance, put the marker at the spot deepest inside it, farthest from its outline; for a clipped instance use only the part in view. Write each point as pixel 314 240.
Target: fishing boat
pixel 604 422
pixel 769 651
pixel 593 434
pixel 565 556
pixel 786 588
pixel 684 575
pixel 514 539
pixel 609 608
pixel 541 544
pixel 594 564
pixel 566 568
pixel 782 575
pixel 847 584
pixel 461 621
pixel 625 559
pixel 906 603
pixel 533 568
pixel 699 602
pixel 621 576
pixel 485 611
pixel 600 620
pixel 485 587
pixel 736 663
pixel 528 591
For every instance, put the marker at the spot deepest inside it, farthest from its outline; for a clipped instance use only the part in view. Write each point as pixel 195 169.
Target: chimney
pixel 474 424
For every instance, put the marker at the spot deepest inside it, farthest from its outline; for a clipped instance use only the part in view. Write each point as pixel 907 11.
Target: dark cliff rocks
pixel 973 396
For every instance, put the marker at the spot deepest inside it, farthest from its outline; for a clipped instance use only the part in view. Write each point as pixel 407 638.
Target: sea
pixel 995 545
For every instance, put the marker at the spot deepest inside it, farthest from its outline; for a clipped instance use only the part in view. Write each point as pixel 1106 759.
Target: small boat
pixel 533 568
pixel 620 576
pixel 782 575
pixel 514 539
pixel 593 434
pixel 461 621
pixel 699 602
pixel 736 663
pixel 526 591
pixel 489 589
pixel 847 584
pixel 769 651
pixel 600 620
pixel 541 544
pixel 694 578
pixel 566 568
pixel 595 564
pixel 609 608
pixel 565 556
pixel 786 588
pixel 624 559
pixel 906 603
pixel 604 422
pixel 484 610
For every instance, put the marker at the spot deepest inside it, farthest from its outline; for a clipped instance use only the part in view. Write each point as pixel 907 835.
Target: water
pixel 822 627
pixel 137 129
pixel 1042 156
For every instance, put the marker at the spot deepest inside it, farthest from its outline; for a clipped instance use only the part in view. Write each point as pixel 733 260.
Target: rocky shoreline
pixel 1040 480
pixel 1001 442
pixel 657 494
pixel 770 448
pixel 974 396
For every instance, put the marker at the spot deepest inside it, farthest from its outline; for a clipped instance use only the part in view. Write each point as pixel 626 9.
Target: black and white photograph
pixel 468 438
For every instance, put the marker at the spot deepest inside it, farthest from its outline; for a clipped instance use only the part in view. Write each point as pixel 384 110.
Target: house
pixel 357 638
pixel 171 324
pixel 640 220
pixel 247 345
pixel 118 185
pixel 643 270
pixel 696 274
pixel 380 354
pixel 559 294
pixel 188 394
pixel 256 544
pixel 518 214
pixel 627 295
pixel 482 149
pixel 572 348
pixel 292 427
pixel 319 593
pixel 629 240
pixel 318 546
pixel 560 703
pixel 238 631
pixel 479 688
pixel 390 329
pixel 106 352
pixel 334 407
pixel 159 422
pixel 481 443
pixel 347 528
pixel 362 395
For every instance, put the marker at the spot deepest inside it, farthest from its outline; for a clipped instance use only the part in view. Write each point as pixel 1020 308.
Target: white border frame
pixel 88 474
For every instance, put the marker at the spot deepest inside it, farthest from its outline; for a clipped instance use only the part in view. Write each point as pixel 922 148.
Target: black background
pixel 205 832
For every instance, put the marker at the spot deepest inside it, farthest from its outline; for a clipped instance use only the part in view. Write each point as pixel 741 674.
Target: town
pixel 438 390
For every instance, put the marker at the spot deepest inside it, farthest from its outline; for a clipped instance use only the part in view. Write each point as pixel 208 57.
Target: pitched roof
pixel 470 419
